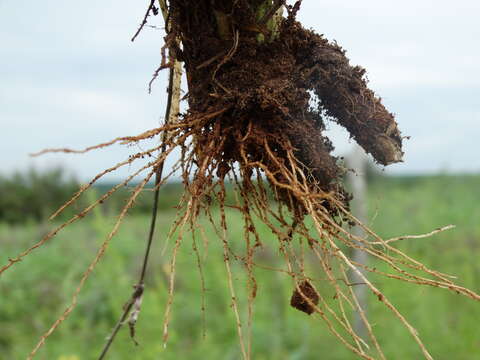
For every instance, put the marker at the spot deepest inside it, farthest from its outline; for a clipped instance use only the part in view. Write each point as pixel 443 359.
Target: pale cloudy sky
pixel 69 76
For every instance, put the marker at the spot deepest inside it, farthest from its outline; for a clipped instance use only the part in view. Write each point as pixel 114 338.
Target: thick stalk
pixel 266 22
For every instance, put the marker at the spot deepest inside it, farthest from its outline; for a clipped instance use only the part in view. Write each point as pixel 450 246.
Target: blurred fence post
pixel 358 183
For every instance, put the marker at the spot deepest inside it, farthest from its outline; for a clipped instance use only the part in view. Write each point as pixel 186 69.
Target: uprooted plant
pixel 252 75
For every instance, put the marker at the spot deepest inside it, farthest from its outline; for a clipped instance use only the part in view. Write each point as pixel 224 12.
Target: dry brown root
pixel 254 177
pixel 251 123
pixel 92 265
pixel 252 202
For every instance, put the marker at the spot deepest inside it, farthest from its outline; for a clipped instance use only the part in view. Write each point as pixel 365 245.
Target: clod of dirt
pixel 299 298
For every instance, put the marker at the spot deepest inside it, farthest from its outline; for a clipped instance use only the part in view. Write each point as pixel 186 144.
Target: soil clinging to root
pixel 260 90
pixel 305 298
pixel 264 82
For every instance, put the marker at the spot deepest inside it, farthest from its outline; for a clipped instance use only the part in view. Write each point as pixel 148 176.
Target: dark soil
pixel 263 91
pixel 299 299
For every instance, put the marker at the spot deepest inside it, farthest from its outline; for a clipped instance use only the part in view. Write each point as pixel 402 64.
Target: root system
pixel 260 91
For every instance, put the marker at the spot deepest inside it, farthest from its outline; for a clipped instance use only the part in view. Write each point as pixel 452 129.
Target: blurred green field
pixel 37 290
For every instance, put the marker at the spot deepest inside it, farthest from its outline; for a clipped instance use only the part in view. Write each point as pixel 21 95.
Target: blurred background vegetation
pixel 36 291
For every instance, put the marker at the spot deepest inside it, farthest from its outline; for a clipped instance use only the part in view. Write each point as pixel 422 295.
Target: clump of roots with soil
pixel 260 91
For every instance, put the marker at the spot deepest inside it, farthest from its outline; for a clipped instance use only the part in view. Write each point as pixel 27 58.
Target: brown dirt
pixel 266 89
pixel 299 298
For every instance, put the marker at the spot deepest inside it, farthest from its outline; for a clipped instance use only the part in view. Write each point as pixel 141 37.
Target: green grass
pixel 36 291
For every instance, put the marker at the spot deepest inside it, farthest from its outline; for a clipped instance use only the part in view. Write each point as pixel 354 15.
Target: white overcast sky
pixel 70 77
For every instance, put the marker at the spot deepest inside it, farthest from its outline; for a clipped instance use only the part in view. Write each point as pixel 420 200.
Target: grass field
pixel 36 291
